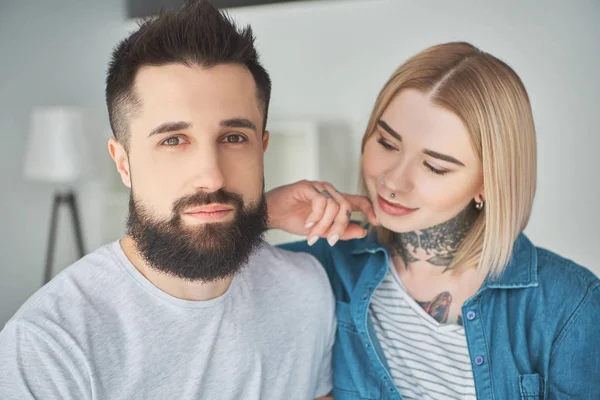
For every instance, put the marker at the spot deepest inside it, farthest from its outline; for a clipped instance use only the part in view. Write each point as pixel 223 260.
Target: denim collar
pixel 520 272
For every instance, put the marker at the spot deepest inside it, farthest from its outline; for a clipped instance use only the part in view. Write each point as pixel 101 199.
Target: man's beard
pixel 205 252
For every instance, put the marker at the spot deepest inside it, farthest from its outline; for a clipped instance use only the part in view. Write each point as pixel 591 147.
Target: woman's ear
pixel 480 197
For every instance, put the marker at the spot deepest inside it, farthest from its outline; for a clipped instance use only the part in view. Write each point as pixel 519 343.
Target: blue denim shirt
pixel 533 333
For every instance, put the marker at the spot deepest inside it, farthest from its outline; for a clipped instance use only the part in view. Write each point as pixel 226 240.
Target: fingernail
pixel 364 234
pixel 332 239
pixel 309 225
pixel 313 240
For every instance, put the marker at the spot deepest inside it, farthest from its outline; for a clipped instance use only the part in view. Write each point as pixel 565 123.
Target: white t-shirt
pixel 101 330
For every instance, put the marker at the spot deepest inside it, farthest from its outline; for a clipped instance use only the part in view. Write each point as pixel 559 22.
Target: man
pixel 191 304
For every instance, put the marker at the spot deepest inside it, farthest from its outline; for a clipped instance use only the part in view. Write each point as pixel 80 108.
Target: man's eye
pixel 234 139
pixel 173 141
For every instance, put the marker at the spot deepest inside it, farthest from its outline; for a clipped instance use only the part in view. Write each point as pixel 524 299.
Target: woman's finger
pixel 364 205
pixel 321 225
pixel 339 228
pixel 318 204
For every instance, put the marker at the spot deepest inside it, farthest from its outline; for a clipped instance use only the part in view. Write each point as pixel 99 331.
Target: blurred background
pixel 328 59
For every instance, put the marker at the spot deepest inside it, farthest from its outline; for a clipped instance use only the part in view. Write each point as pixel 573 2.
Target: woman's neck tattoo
pixel 436 245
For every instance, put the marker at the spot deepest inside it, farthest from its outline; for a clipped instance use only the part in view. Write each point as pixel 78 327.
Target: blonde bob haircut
pixel 490 99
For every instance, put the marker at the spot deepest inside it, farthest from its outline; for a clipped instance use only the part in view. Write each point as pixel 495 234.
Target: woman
pixel 445 297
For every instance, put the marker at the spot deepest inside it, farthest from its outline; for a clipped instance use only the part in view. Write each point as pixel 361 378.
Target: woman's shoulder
pixel 554 294
pixel 566 288
pixel 563 272
pixel 535 266
pixel 568 297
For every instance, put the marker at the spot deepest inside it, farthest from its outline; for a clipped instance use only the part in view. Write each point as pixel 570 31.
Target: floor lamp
pixel 57 154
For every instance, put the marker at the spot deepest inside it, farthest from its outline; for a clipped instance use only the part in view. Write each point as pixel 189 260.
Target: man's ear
pixel 121 158
pixel 265 139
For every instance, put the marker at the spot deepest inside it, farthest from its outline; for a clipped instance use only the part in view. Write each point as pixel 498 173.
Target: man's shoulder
pixel 71 289
pixel 288 261
pixel 300 271
pixel 291 286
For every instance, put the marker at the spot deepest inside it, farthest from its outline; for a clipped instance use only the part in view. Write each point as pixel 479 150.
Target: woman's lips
pixel 394 209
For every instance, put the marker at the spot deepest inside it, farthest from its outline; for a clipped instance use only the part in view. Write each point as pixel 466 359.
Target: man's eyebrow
pixel 239 123
pixel 170 127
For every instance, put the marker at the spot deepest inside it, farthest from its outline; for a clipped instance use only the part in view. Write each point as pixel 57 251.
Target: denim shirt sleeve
pixel 575 358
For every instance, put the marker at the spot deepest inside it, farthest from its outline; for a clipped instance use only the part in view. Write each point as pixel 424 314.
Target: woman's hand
pixel 316 209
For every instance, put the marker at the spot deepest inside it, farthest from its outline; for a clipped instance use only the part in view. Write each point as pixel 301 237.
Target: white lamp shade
pixel 57 149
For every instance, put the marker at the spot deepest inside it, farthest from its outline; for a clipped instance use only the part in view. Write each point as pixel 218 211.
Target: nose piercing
pixel 382 181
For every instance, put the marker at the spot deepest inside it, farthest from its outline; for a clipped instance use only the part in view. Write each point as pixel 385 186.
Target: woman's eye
pixel 234 139
pixel 173 141
pixel 385 144
pixel 435 170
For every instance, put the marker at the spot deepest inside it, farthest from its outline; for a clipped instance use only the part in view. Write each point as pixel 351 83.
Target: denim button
pixel 471 315
pixel 366 296
pixel 478 360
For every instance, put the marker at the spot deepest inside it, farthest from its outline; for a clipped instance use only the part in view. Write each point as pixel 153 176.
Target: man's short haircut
pixel 197 34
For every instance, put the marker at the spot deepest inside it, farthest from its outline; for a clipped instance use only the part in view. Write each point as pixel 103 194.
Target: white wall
pixel 328 60
pixel 53 52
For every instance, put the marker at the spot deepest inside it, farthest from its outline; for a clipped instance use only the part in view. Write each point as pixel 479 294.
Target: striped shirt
pixel 427 360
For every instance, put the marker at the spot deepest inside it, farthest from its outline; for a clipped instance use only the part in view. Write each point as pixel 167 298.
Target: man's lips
pixel 209 208
pixel 209 212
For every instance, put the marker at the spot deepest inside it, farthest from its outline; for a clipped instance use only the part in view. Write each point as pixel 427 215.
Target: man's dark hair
pixel 197 34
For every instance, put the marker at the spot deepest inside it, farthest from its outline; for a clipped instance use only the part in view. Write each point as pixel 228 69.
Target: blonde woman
pixel 446 298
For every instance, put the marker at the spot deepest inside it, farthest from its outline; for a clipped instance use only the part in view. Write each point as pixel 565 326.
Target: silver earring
pixel 479 205
pixel 382 179
pixel 392 195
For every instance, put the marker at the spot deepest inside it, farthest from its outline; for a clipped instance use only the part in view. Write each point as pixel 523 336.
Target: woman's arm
pixel 575 358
